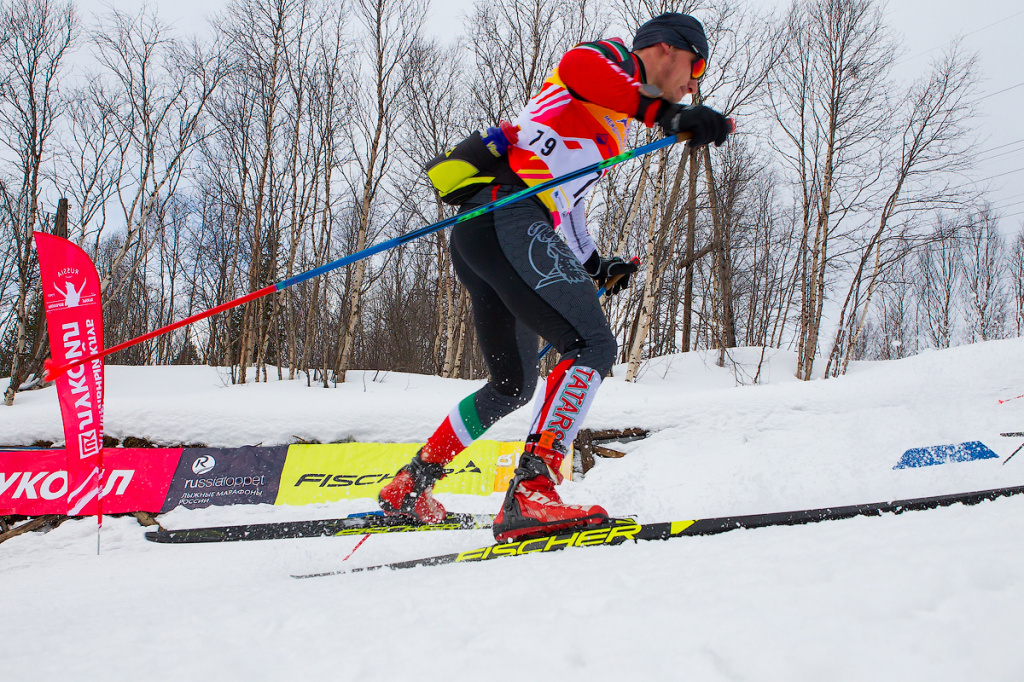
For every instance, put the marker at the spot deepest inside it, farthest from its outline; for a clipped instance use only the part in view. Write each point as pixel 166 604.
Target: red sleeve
pixel 592 76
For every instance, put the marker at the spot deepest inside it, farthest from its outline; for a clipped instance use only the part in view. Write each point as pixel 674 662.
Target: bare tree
pixel 391 31
pixel 740 75
pixel 829 107
pixel 435 118
pixel 764 262
pixel 330 108
pixel 982 258
pixel 655 238
pixel 159 89
pixel 937 276
pixel 894 333
pixel 1016 272
pixel 933 141
pixel 259 35
pixel 637 12
pixel 35 38
pixel 746 49
pixel 90 159
pixel 516 44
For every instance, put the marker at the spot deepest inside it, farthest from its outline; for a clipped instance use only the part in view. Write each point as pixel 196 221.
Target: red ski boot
pixel 410 493
pixel 532 507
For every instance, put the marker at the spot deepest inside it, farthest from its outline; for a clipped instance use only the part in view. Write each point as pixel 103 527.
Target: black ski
pixel 351 525
pixel 621 530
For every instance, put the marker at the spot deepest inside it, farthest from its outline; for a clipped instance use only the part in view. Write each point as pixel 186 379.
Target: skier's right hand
pixel 704 124
pixel 612 273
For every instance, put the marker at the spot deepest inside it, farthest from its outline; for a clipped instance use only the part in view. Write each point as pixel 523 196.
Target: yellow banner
pixel 343 471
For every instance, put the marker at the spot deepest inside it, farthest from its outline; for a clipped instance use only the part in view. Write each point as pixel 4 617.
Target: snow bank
pixel 927 595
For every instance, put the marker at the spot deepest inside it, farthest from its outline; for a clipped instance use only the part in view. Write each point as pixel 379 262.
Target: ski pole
pixel 52 371
pixel 1014 434
pixel 358 545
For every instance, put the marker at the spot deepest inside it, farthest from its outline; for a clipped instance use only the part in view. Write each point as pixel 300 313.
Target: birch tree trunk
pixel 36 37
pixel 686 343
pixel 392 28
pixel 723 265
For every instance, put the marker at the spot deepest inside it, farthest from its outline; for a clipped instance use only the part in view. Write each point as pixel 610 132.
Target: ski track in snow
pixel 932 595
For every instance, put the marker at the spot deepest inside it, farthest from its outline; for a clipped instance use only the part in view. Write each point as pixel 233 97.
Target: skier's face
pixel 678 80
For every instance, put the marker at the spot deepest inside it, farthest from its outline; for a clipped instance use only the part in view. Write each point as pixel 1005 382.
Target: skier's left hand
pixel 499 139
pixel 611 273
pixel 704 124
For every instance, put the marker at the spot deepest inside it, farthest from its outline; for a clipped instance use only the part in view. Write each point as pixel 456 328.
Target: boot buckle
pixel 548 447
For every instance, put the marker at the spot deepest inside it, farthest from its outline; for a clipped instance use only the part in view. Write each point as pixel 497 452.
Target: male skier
pixel 524 281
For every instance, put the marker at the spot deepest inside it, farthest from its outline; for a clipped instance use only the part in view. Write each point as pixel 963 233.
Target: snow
pixel 932 595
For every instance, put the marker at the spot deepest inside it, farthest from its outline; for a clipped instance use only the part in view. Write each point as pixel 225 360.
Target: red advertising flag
pixel 74 317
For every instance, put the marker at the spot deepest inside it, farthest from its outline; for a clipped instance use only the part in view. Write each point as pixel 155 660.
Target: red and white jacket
pixel 580 117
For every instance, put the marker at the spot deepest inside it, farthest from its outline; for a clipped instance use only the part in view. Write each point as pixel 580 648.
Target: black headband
pixel 678 30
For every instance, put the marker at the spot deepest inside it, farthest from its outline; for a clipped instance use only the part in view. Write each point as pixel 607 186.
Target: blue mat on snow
pixel 940 454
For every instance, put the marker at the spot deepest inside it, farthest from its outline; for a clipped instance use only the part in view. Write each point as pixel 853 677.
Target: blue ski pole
pixel 53 371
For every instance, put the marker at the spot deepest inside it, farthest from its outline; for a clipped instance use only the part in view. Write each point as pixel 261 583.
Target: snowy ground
pixel 933 595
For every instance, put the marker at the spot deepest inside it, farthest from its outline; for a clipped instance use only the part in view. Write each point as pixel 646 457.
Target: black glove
pixel 704 123
pixel 603 270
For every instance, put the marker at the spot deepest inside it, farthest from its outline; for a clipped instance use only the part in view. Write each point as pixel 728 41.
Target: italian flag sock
pixel 459 430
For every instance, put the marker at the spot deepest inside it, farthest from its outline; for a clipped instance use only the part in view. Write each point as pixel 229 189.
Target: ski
pixel 351 525
pixel 620 530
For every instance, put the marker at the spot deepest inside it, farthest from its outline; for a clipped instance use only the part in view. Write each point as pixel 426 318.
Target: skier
pixel 524 281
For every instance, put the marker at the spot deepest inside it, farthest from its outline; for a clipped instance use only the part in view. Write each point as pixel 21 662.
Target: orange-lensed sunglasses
pixel 699 67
